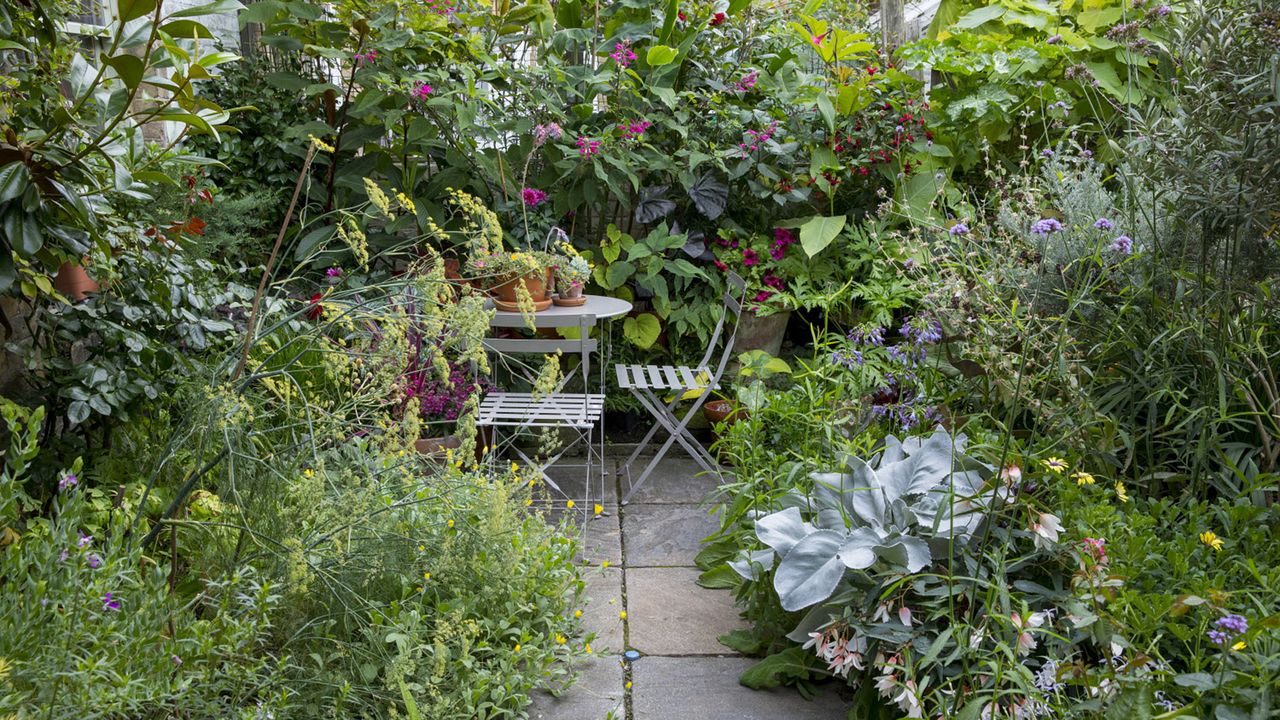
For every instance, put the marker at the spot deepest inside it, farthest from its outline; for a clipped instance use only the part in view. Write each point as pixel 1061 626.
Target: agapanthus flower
pixel 68 481
pixel 1104 224
pixel 958 229
pixel 422 91
pixel 543 133
pixel 587 147
pixel 1122 245
pixel 533 197
pixel 622 54
pixel 1045 226
pixel 110 603
pixel 867 335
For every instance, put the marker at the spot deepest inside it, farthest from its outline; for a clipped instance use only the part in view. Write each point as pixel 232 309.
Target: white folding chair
pixel 509 415
pixel 647 381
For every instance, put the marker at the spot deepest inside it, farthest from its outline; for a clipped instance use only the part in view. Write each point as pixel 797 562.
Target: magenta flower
pixel 368 57
pixel 1096 548
pixel 110 603
pixel 543 133
pixel 68 481
pixel 586 147
pixel 750 258
pixel 634 130
pixel 422 90
pixel 720 265
pixel 333 272
pixel 533 197
pixel 748 81
pixel 763 295
pixel 622 54
pixel 773 281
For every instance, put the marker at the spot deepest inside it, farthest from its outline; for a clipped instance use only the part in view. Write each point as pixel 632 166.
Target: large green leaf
pixel 819 231
pixel 187 30
pixel 128 10
pixel 981 16
pixel 661 55
pixel 217 7
pixel 14 179
pixel 642 330
pixel 129 67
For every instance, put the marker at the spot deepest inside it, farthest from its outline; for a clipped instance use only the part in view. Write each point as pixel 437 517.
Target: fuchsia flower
pixel 634 130
pixel 533 197
pixel 750 258
pixel 587 147
pixel 422 90
pixel 622 54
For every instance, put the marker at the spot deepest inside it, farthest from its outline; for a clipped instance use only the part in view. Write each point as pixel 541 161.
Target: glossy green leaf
pixel 129 67
pixel 186 29
pixel 128 10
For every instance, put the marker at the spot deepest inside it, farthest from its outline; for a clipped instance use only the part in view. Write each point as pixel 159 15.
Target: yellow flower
pixel 599 508
pixel 1083 478
pixel 514 466
pixel 378 198
pixel 426 576
pixel 577 613
pixel 560 639
pixel 604 564
pixel 319 144
pixel 569 504
pixel 528 502
pixel 1055 464
pixel 628 685
pixel 420 589
pixel 587 647
pixel 422 548
pixel 622 615
pixel 1238 646
pixel 450 523
pixel 406 202
pixel 517 647
pixel 1210 538
pixel 309 472
pixel 1121 493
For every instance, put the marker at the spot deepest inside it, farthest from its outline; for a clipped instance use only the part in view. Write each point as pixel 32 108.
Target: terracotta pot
pixel 436 446
pixel 73 281
pixel 722 411
pixel 570 296
pixel 761 333
pixel 535 284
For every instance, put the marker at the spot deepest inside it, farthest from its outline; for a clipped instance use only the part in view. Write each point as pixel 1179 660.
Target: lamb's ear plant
pixel 897 513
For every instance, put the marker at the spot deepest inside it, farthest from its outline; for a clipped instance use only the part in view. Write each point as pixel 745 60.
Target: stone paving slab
pixel 676 480
pixel 574 483
pixel 707 689
pixel 597 695
pixel 600 615
pixel 665 535
pixel 668 614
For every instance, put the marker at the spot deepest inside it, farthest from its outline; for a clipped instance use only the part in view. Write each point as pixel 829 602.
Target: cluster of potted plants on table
pixel 531 280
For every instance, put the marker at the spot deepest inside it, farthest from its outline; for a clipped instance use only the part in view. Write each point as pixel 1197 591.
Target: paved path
pixel 642 563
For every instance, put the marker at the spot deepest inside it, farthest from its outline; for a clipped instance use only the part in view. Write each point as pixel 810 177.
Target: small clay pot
pixel 722 411
pixel 73 281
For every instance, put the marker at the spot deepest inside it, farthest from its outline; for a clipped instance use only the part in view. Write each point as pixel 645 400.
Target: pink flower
pixel 748 81
pixel 763 295
pixel 533 197
pixel 750 258
pixel 1095 548
pixel 543 133
pixel 622 54
pixel 369 57
pixel 422 90
pixel 333 272
pixel 720 266
pixel 586 147
pixel 634 130
pixel 1024 624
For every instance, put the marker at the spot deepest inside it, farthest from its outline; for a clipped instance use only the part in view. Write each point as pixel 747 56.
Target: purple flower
pixel 1234 624
pixel 1045 226
pixel 622 54
pixel 848 360
pixel 1047 153
pixel 109 603
pixel 1104 224
pixel 959 229
pixel 176 660
pixel 84 541
pixel 422 91
pixel 1162 10
pixel 333 272
pixel 750 258
pixel 587 147
pixel 921 330
pixel 543 133
pixel 62 556
pixel 748 81
pixel 94 560
pixel 1053 39
pixel 533 197
pixel 1122 245
pixel 68 481
pixel 867 335
pixel 1218 638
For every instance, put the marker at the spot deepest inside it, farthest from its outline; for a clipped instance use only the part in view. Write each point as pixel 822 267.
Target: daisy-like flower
pixel 1121 493
pixel 1210 538
pixel 1055 464
pixel 1083 478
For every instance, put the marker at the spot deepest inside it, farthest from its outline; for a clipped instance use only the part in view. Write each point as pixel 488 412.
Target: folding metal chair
pixel 647 381
pixel 508 415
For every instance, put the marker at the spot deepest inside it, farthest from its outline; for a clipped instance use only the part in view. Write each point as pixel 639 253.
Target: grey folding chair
pixel 646 382
pixel 509 415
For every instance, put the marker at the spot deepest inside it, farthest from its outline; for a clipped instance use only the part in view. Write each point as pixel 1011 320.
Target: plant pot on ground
pixel 73 281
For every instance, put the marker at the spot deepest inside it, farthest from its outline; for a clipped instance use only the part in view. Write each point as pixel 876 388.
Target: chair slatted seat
pixel 664 377
pixel 576 410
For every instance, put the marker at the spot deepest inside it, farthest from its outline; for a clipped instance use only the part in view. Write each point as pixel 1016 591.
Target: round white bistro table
pixel 558 317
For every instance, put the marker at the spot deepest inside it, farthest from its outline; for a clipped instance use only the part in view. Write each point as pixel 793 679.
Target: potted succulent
pixel 516 279
pixel 571 274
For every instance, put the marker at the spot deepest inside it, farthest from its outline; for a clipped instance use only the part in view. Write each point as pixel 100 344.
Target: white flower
pixel 886 683
pixel 1046 529
pixel 882 613
pixel 1011 474
pixel 904 614
pixel 907 700
pixel 1024 624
